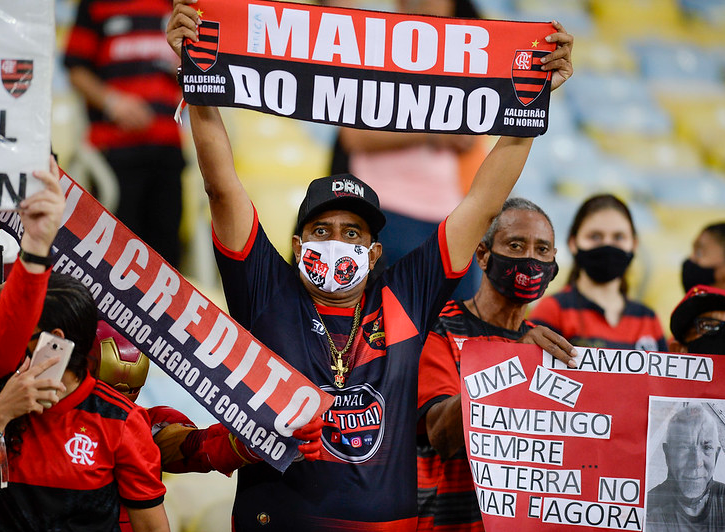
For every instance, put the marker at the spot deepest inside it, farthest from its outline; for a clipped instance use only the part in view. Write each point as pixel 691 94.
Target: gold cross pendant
pixel 341 370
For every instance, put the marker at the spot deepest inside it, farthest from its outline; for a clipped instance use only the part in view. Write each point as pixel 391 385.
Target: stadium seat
pixel 711 11
pixel 636 17
pixel 665 152
pixel 664 61
pixel 604 56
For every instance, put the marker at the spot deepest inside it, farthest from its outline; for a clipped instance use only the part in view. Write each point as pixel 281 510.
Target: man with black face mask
pixel 517 257
pixel 698 322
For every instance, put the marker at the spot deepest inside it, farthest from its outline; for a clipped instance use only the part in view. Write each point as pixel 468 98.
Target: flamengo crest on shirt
pixel 370 70
pixel 81 449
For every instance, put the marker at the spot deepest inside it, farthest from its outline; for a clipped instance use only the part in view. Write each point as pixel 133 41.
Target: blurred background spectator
pixel 118 61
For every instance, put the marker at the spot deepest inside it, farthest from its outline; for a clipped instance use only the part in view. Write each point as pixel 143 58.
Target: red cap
pixel 699 299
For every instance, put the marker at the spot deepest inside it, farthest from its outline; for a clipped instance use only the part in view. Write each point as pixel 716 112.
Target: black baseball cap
pixel 341 192
pixel 699 299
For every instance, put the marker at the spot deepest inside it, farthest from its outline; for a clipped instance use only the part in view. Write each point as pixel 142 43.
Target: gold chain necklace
pixel 338 366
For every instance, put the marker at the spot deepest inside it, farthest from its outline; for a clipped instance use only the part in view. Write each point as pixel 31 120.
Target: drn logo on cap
pixel 345 187
pixel 341 192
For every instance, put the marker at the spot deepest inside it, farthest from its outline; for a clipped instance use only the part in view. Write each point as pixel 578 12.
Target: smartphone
pixel 49 346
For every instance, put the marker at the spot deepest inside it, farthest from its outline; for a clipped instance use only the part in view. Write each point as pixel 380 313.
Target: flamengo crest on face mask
pixel 333 265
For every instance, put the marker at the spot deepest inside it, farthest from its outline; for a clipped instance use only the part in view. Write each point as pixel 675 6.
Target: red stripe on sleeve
pixel 445 256
pixel 244 253
pixel 437 374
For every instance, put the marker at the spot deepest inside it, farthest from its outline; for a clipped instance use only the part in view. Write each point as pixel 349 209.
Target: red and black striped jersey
pixel 366 477
pixel 582 322
pixel 124 43
pixel 446 496
pixel 78 461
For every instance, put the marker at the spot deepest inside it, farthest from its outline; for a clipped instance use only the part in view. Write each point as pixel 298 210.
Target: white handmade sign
pixel 27 43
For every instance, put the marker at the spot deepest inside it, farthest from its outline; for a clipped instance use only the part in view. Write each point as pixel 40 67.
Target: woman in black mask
pixel 593 310
pixel 706 264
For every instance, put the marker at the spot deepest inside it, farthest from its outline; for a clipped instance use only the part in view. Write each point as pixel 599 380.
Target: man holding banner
pixel 517 256
pixel 356 341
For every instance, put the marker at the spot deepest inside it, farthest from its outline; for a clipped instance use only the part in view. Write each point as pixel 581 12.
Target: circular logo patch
pixel 355 424
pixel 345 270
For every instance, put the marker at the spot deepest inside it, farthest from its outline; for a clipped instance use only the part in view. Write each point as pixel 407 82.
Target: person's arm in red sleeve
pixel 187 449
pixel 137 467
pixel 439 392
pixel 21 300
pixel 21 303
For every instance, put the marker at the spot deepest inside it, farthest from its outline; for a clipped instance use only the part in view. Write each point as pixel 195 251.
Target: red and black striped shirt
pixel 446 496
pixel 124 43
pixel 78 461
pixel 582 322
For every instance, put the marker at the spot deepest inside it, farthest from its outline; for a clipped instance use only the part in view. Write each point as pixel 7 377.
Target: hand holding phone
pixel 49 346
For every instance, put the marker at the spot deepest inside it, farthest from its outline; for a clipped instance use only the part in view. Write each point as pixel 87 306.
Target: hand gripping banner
pixel 370 70
pixel 258 396
pixel 628 441
pixel 27 41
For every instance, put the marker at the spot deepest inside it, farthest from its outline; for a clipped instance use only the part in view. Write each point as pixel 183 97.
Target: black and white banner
pixel 258 396
pixel 370 70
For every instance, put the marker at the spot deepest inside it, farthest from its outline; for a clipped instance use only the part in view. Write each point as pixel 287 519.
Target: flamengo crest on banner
pixel 370 70
pixel 16 75
pixel 204 53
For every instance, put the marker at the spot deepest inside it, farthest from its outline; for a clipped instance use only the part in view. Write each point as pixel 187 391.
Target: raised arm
pixel 21 300
pixel 41 215
pixel 500 170
pixel 232 212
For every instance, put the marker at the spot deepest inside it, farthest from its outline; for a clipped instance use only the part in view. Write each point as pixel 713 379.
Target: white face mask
pixel 332 265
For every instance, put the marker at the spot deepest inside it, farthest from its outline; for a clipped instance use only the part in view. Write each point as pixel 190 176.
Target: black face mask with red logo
pixel 522 280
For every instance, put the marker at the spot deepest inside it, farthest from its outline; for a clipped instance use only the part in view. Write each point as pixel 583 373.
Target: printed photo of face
pixel 691 451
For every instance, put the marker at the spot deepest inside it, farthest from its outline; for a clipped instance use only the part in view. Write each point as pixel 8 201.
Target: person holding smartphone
pixel 73 463
pixel 76 462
